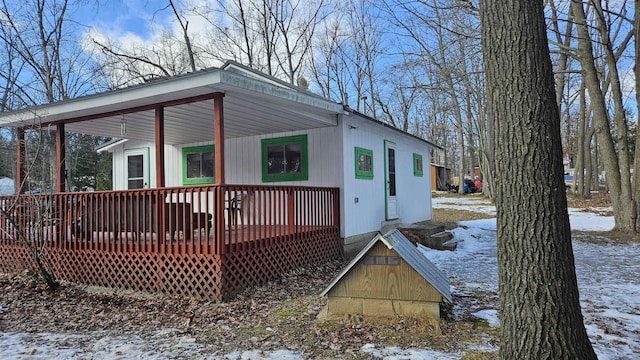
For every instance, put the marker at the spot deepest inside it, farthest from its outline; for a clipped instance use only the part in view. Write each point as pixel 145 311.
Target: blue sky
pixel 121 16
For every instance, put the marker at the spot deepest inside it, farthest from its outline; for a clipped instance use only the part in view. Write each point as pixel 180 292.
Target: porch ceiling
pixel 252 106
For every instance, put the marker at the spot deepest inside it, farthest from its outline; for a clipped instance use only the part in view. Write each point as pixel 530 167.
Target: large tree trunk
pixel 539 303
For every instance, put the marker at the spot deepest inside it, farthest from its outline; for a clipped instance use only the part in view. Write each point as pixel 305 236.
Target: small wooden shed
pixel 389 277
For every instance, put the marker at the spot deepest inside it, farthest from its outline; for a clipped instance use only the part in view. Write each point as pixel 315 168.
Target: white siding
pixel 243 159
pixel 413 192
pixel 331 163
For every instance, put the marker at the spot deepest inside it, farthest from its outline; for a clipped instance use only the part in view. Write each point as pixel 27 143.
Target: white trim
pixel 112 145
pixel 164 90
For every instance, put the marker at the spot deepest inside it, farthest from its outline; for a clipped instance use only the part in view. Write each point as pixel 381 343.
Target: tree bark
pixel 539 304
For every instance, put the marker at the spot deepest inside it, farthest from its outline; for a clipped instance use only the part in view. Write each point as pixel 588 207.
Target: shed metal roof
pixel 395 240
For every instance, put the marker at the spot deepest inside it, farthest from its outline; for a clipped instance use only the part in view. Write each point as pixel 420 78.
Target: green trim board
pixel 418 169
pixel 205 153
pixel 285 159
pixel 363 163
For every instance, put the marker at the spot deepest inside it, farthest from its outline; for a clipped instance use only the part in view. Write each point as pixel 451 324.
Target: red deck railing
pixel 175 240
pixel 185 220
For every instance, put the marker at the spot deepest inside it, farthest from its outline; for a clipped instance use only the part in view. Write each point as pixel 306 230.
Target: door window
pixel 136 168
pixel 391 157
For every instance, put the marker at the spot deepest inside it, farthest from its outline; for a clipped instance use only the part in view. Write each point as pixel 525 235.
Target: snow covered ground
pixel 608 276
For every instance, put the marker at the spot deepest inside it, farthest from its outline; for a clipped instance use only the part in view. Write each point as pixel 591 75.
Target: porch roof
pixel 254 104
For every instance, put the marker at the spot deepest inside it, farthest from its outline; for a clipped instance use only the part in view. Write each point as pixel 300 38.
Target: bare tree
pixel 167 54
pixel 44 64
pixel 612 134
pixel 184 26
pixel 29 218
pixel 539 302
pixel 329 58
pixel 426 27
pixel 296 22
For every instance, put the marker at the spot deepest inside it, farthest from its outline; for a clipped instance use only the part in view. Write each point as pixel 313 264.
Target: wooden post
pixel 291 215
pixel 160 179
pixel 60 159
pixel 61 181
pixel 160 171
pixel 20 161
pixel 218 136
pixel 219 225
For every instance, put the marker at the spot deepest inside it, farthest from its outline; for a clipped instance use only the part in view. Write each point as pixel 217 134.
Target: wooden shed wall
pixel 389 282
pixel 381 307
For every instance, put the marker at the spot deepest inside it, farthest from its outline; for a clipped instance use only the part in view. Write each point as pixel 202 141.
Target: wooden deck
pixel 217 239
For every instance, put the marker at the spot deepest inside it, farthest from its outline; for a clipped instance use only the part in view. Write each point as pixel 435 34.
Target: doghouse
pixel 389 277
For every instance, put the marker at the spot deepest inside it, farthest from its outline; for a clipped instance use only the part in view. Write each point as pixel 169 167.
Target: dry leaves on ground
pixel 280 315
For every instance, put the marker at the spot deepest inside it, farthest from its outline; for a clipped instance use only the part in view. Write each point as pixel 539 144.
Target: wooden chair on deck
pixel 234 210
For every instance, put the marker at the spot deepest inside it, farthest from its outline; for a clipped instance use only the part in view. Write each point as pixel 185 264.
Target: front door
pixel 136 169
pixel 391 205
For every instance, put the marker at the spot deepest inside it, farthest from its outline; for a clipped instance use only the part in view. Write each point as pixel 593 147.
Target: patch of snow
pixel 475 203
pixel 490 315
pixel 396 353
pixel 588 221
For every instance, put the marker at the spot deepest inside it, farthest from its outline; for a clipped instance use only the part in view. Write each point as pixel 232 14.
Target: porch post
pixel 20 160
pixel 218 136
pixel 160 176
pixel 160 173
pixel 60 159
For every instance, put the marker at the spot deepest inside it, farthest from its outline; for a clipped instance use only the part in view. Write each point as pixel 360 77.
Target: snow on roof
pixel 395 240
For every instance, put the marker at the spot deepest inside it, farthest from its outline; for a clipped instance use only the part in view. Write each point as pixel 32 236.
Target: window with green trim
pixel 285 159
pixel 417 165
pixel 198 165
pixel 364 163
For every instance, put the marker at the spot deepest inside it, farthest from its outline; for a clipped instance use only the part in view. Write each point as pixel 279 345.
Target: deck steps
pixel 431 236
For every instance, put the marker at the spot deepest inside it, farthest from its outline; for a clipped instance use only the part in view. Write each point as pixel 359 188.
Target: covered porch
pixel 209 241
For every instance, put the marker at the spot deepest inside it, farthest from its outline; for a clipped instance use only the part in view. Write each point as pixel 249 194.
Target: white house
pixel 272 133
pixel 382 172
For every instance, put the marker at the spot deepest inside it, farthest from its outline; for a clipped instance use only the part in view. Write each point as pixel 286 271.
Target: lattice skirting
pixel 211 277
pixel 14 259
pixel 196 276
pixel 257 266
